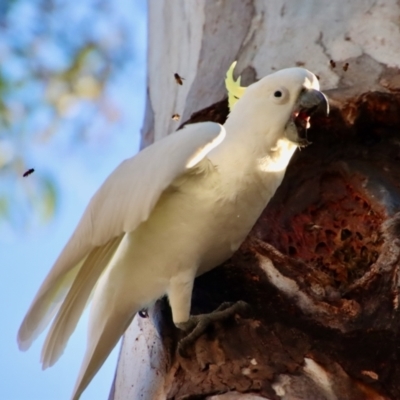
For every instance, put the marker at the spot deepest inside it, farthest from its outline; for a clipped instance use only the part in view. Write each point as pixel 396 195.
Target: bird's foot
pixel 197 324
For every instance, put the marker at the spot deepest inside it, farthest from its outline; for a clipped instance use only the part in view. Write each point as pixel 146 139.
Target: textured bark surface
pixel 320 268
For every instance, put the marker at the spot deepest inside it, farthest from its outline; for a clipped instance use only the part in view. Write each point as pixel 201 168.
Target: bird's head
pixel 281 104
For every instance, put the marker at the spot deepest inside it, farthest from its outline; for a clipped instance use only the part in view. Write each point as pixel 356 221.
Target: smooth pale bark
pixel 200 39
pixel 353 46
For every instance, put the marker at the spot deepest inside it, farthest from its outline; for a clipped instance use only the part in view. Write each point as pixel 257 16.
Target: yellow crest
pixel 235 91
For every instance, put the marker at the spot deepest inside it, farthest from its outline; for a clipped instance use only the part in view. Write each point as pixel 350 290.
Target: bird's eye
pixel 280 95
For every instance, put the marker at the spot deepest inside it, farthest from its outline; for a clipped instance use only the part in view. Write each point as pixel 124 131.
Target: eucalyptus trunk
pixel 320 268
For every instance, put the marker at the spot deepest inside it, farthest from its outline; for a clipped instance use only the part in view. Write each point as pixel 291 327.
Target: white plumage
pixel 177 209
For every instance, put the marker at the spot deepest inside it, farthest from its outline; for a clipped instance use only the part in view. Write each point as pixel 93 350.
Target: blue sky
pixel 26 257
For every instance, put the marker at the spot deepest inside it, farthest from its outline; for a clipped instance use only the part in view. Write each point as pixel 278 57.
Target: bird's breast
pixel 233 211
pixel 202 222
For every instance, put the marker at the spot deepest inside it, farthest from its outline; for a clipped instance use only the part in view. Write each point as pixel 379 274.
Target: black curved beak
pixel 312 101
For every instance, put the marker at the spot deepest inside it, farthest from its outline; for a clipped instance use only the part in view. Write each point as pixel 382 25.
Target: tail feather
pixel 44 307
pixel 55 287
pixel 102 341
pixel 75 301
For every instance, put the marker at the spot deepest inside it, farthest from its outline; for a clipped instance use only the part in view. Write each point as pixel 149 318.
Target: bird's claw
pixel 197 324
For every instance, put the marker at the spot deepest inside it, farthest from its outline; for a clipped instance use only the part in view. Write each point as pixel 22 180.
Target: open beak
pixel 310 101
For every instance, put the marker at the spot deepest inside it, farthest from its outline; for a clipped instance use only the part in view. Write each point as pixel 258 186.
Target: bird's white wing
pixel 125 200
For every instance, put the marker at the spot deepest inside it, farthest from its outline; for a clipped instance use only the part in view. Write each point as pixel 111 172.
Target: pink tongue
pixel 305 119
pixel 303 116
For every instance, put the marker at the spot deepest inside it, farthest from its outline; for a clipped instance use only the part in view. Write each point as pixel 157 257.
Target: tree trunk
pixel 320 268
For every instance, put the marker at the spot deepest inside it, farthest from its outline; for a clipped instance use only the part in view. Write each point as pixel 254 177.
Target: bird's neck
pixel 278 157
pixel 251 165
pixel 251 148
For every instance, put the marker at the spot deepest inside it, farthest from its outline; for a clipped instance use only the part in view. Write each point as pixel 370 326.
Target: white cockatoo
pixel 177 209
